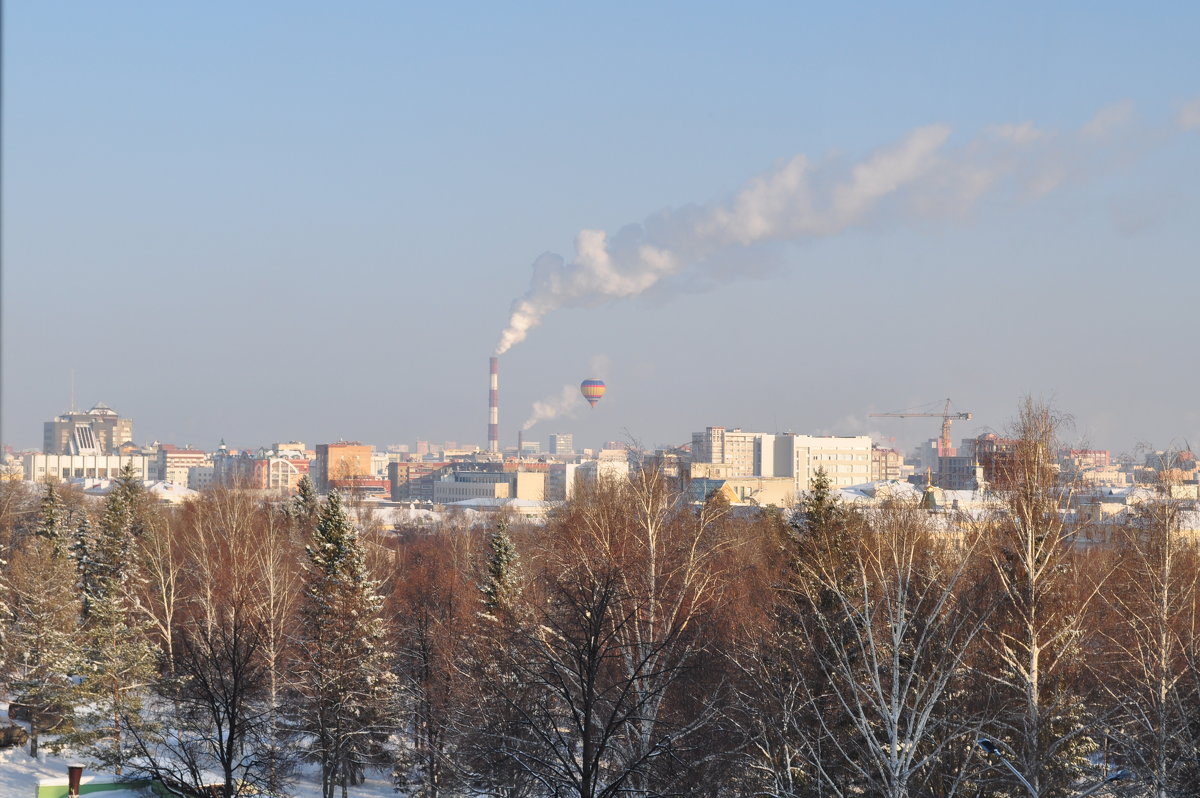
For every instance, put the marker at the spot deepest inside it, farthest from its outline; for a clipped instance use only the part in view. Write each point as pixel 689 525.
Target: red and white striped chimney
pixel 494 408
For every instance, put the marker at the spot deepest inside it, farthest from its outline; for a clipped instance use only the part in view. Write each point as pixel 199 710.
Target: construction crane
pixel 946 416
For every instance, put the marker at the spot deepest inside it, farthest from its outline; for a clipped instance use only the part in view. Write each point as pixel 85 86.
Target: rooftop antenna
pixel 71 409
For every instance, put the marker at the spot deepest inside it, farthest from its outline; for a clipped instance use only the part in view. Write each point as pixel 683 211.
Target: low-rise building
pixel 40 467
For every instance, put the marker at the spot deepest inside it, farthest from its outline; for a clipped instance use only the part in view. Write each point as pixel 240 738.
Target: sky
pixel 279 221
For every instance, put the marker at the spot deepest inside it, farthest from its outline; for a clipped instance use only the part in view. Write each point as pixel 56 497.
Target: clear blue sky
pixel 278 220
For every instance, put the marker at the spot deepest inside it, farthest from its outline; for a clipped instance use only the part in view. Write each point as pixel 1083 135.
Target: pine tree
pixel 501 581
pixel 343 680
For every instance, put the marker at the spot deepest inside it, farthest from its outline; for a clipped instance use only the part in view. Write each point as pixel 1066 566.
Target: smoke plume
pixel 919 176
pixel 565 404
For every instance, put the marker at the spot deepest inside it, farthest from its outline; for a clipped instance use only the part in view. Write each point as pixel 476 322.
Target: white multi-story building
pixel 721 453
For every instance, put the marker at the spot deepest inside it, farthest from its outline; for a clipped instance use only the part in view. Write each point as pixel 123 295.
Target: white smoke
pixel 918 176
pixel 564 404
pixel 1188 117
pixel 600 366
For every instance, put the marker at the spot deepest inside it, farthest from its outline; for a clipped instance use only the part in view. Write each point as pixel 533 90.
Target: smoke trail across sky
pixel 564 404
pixel 918 177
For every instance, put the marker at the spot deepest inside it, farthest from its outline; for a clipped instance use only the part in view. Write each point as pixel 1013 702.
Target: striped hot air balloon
pixel 592 390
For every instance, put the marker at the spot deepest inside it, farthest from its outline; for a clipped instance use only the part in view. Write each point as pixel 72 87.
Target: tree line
pixel 634 644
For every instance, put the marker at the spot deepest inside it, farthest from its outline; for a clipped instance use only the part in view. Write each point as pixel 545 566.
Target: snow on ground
pixel 19 774
pixel 377 785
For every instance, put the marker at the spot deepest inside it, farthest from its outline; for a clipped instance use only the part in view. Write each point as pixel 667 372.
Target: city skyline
pixel 809 219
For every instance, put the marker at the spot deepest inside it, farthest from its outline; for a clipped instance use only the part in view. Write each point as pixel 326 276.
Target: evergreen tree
pixel 129 493
pixel 814 630
pixel 43 628
pixel 501 581
pixel 305 504
pixel 342 676
pixel 51 520
pixel 80 551
pixel 118 661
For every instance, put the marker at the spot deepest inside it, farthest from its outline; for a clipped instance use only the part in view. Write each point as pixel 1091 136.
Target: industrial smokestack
pixel 494 407
pixel 520 443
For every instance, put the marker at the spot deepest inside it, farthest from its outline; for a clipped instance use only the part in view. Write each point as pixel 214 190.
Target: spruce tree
pixel 814 630
pixel 51 520
pixel 342 677
pixel 500 582
pixel 118 659
pixel 43 628
pixel 305 504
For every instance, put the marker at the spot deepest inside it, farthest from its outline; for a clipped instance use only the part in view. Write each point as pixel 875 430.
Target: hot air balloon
pixel 592 390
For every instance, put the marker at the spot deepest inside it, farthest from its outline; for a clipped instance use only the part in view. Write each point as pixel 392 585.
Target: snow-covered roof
pixel 169 491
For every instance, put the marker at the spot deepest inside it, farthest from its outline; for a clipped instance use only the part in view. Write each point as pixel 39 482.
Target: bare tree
pixel 1154 636
pixel 610 625
pixel 433 603
pixel 1036 637
pixel 219 718
pixel 890 649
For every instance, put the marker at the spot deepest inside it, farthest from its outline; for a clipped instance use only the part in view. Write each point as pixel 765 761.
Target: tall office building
pixel 562 443
pixel 99 431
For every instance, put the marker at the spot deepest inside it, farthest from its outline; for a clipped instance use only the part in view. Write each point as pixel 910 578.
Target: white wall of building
pixel 39 467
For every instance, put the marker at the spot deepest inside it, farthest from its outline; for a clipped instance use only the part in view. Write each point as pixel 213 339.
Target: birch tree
pixel 890 626
pixel 1151 682
pixel 1036 637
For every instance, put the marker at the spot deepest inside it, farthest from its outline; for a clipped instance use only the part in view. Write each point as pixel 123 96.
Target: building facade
pixel 40 467
pixel 99 431
pixel 344 462
pixel 720 453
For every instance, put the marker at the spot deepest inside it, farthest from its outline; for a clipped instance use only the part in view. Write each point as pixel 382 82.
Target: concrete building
pixel 888 465
pixel 99 431
pixel 40 467
pixel 720 453
pixel 413 480
pixel 343 461
pixel 460 485
pixel 278 469
pixel 200 477
pixel 560 481
pixel 760 491
pixel 732 447
pixel 609 464
pixel 562 443
pixel 174 463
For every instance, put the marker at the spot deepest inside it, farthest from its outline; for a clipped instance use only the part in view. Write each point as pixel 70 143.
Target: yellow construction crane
pixel 947 416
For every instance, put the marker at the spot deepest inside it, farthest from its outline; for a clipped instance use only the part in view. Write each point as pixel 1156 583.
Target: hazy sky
pixel 282 220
